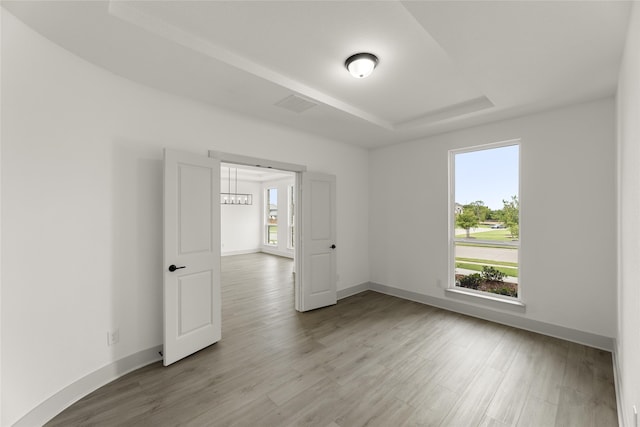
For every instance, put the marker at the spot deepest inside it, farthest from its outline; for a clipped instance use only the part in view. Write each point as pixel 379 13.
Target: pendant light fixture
pixel 361 64
pixel 235 198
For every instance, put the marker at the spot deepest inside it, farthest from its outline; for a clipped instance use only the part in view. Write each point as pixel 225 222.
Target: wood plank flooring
pixel 371 360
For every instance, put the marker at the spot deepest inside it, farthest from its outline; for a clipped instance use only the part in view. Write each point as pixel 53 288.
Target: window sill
pixel 493 301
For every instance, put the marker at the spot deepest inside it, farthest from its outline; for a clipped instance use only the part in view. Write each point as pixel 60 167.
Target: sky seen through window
pixel 490 175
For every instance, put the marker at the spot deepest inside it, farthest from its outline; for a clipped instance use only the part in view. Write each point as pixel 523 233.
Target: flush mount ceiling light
pixel 361 64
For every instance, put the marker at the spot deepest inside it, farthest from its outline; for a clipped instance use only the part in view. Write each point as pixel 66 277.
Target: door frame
pixel 289 167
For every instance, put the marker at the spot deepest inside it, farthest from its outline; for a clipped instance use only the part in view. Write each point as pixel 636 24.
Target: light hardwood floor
pixel 371 359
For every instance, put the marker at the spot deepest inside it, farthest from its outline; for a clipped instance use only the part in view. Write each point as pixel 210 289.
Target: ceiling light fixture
pixel 361 64
pixel 235 198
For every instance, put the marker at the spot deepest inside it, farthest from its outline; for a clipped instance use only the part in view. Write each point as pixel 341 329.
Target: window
pixel 271 210
pixel 485 219
pixel 291 240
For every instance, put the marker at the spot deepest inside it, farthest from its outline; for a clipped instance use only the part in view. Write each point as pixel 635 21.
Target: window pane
pixel 272 216
pixel 272 233
pixel 479 259
pixel 486 217
pixel 273 205
pixel 291 218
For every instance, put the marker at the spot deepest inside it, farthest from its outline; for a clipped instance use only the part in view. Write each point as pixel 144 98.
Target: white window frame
pixel 518 301
pixel 290 216
pixel 267 210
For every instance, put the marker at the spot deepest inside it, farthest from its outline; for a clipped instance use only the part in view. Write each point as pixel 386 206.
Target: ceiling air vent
pixel 295 103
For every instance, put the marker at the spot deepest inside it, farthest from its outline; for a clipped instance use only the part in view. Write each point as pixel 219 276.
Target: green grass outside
pixel 499 235
pixel 477 267
pixel 485 245
pixel 488 261
pixel 272 235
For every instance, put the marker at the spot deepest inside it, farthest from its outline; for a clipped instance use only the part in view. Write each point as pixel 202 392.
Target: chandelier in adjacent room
pixel 235 198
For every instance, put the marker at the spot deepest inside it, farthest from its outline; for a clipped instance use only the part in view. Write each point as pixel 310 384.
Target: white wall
pixel 282 185
pixel 241 228
pixel 628 112
pixel 1 134
pixel 568 250
pixel 82 209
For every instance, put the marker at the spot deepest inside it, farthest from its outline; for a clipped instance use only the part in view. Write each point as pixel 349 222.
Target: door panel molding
pixel 191 293
pixel 318 233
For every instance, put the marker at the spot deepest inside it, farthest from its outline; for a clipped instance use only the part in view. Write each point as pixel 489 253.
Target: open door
pixel 192 316
pixel 318 287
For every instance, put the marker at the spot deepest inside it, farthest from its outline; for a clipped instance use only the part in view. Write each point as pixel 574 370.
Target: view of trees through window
pixel 272 216
pixel 486 209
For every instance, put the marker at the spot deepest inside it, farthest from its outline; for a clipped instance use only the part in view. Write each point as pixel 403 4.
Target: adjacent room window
pixel 291 240
pixel 485 218
pixel 271 210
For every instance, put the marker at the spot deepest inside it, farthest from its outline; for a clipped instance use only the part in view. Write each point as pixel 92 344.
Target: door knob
pixel 333 246
pixel 173 267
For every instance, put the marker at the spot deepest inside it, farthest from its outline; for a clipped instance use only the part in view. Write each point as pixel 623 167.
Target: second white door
pixel 318 241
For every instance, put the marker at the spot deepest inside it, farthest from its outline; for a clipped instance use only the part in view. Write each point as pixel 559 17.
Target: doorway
pixel 315 281
pixel 192 244
pixel 258 233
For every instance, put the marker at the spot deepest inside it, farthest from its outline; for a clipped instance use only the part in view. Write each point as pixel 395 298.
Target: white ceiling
pixel 443 64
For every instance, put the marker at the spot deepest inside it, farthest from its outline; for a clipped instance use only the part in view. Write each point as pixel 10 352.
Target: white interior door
pixel 318 287
pixel 192 317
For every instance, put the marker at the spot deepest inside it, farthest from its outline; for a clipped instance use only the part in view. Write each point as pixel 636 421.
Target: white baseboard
pixel 617 378
pixel 57 403
pixel 77 390
pixel 51 407
pixel 353 290
pixel 286 254
pixel 573 335
pixel 241 252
